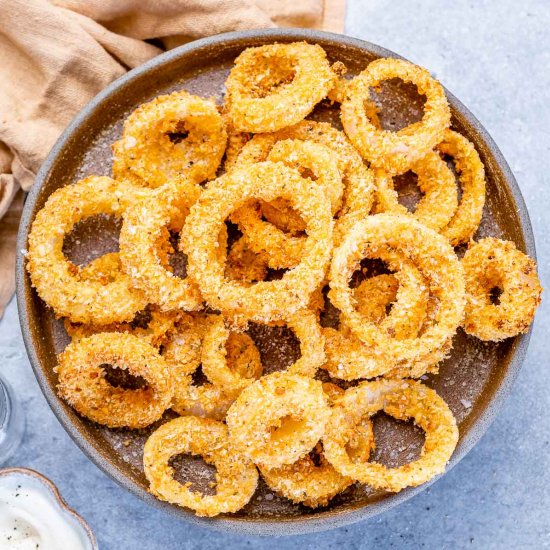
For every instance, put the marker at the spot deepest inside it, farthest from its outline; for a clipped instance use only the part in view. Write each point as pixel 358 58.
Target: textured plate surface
pixel 474 380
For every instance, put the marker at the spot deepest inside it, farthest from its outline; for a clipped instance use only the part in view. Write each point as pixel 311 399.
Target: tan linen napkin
pixel 56 55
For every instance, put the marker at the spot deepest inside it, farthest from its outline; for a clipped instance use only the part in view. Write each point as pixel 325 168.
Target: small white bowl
pixel 25 477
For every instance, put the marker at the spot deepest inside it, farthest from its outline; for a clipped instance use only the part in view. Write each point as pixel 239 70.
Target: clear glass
pixel 12 422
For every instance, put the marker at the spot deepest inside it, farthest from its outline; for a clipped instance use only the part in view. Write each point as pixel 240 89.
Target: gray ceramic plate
pixel 474 380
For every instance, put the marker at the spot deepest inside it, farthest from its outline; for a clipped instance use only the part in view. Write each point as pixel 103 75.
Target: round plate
pixel 474 380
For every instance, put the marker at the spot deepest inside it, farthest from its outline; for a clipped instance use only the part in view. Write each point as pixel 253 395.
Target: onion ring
pixel 350 359
pixel 236 477
pixel 304 325
pixel 281 249
pixel 403 400
pixel 491 263
pixel 83 385
pixel 435 259
pixel 315 482
pixel 436 181
pixel 277 85
pixel 471 175
pixel 394 152
pixel 266 300
pixel 215 357
pixel 57 280
pixel 278 419
pixel 183 353
pixel 173 136
pixel 144 229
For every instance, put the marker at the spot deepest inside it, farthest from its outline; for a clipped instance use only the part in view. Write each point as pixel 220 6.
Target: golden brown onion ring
pixel 143 240
pixel 278 419
pixel 236 477
pixel 494 264
pixel 83 385
pixel 57 280
pixel 171 137
pixel 183 353
pixel 432 255
pixel 394 152
pixel 437 183
pixel 281 249
pixel 266 300
pixel 215 352
pixel 315 482
pixel 471 175
pixel 277 85
pixel 403 400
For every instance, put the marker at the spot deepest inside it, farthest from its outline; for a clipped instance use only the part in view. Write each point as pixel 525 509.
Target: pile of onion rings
pixel 247 217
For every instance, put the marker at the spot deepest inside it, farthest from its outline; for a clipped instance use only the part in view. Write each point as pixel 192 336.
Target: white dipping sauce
pixel 32 519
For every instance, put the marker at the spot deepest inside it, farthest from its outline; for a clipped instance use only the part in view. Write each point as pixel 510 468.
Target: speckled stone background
pixel 495 56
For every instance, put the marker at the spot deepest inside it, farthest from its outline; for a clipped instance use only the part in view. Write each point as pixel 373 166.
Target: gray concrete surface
pixel 495 56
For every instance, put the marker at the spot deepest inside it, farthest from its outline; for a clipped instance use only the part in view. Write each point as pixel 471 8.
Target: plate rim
pixel 298 525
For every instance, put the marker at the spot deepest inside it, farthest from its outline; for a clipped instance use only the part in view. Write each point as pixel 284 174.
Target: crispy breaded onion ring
pixel 183 353
pixel 403 400
pixel 281 249
pixel 471 175
pixel 173 136
pixel 266 300
pixel 395 152
pixel 437 183
pixel 57 280
pixel 315 482
pixel 432 255
pixel 215 366
pixel 348 358
pixel 277 85
pixel 494 264
pixel 143 234
pixel 215 352
pixel 83 385
pixel 359 181
pixel 236 477
pixel 278 419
